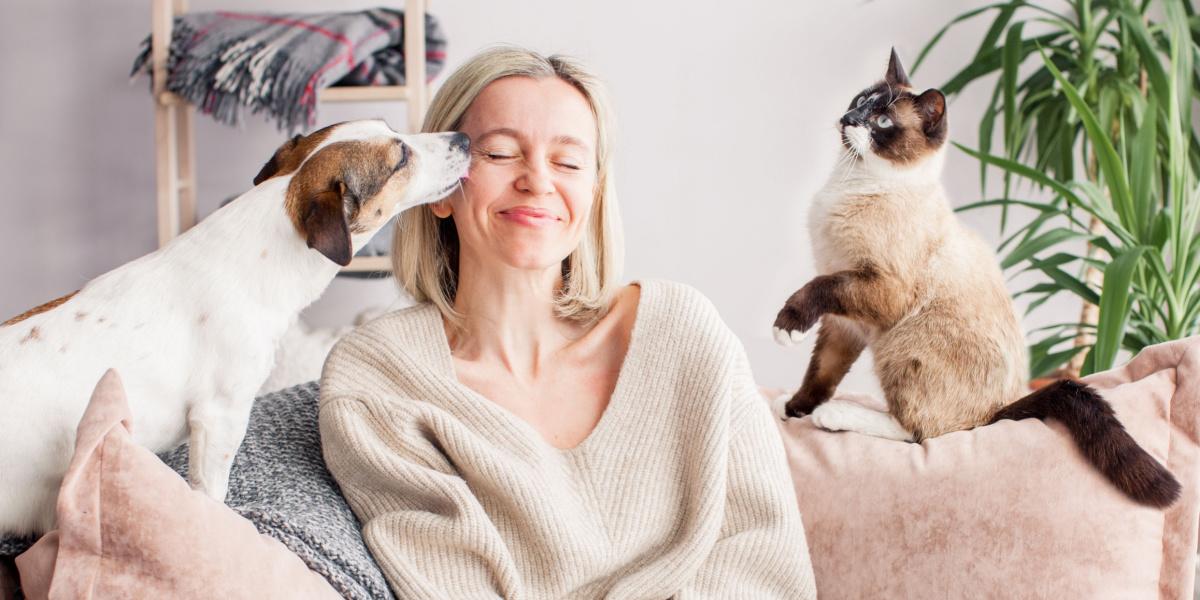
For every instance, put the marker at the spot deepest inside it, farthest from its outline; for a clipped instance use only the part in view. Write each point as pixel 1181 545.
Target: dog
pixel 193 327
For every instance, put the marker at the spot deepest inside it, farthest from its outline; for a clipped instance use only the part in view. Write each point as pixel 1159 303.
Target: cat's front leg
pixel 839 343
pixel 803 308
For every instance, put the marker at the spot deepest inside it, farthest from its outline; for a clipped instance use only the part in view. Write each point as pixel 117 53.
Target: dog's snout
pixel 460 141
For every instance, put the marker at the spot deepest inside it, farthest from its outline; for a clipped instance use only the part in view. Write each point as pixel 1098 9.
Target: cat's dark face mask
pixel 889 120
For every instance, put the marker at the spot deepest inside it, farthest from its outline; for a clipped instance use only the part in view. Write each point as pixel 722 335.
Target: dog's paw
pixel 779 406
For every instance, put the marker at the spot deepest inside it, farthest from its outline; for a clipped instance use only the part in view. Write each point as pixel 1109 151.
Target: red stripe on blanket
pixel 310 88
pixel 290 22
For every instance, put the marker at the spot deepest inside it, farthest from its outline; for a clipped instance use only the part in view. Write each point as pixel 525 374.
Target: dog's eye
pixel 404 152
pixel 883 122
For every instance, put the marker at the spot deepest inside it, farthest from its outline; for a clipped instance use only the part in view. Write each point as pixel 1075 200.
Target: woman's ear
pixel 441 209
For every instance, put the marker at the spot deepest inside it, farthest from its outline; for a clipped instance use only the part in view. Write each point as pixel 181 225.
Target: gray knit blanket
pixel 224 62
pixel 279 482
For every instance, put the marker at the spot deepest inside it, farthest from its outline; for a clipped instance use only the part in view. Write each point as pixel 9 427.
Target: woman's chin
pixel 533 259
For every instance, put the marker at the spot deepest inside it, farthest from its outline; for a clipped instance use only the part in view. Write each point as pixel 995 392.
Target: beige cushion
pixel 1011 510
pixel 129 526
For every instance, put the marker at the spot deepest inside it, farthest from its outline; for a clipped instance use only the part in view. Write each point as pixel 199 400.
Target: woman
pixel 530 430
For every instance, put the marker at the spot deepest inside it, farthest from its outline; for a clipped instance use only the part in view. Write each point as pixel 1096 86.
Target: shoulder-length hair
pixel 425 249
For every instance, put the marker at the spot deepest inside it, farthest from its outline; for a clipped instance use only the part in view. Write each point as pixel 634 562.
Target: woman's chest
pixel 563 404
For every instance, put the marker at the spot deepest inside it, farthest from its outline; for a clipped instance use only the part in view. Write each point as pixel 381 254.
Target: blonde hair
pixel 425 249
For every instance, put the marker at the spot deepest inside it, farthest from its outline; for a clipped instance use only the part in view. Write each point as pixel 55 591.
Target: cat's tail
pixel 1091 421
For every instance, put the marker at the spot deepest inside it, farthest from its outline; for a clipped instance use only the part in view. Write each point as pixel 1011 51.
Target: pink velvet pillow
pixel 129 526
pixel 1011 510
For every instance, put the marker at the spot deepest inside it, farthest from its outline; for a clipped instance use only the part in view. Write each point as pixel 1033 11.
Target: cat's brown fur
pixel 901 275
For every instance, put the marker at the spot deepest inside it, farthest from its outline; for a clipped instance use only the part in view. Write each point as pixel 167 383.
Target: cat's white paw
pixel 779 405
pixel 834 415
pixel 784 337
pixel 843 415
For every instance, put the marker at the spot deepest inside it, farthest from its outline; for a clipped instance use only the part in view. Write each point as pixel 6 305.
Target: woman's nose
pixel 535 179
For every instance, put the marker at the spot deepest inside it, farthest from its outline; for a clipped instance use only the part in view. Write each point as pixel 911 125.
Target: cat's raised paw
pixel 785 337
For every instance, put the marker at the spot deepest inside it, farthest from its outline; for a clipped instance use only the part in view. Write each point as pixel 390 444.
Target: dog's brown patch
pixel 291 154
pixel 331 196
pixel 34 334
pixel 39 309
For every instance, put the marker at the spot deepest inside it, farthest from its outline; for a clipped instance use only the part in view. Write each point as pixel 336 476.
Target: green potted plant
pixel 1095 111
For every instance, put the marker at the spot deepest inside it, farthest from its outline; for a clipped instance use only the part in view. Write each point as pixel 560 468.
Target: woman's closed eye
pixel 497 155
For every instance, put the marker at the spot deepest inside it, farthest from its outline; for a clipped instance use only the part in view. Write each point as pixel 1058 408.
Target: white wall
pixel 725 116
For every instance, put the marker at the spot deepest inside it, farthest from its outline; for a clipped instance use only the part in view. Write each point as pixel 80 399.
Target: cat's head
pixel 891 125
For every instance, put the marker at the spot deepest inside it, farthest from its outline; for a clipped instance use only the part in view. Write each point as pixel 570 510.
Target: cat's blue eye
pixel 883 122
pixel 860 101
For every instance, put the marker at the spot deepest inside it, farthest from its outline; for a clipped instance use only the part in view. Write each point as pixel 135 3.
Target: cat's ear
pixel 895 72
pixel 931 105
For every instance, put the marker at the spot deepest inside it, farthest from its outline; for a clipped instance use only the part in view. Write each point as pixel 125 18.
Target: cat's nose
pixel 848 120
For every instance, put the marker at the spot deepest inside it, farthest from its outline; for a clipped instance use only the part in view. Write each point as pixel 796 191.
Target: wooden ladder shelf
pixel 174 119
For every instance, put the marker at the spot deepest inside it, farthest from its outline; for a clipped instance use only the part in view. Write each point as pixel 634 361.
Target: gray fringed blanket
pixel 224 61
pixel 279 482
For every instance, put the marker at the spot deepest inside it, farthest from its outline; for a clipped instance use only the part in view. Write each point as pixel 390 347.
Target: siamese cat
pixel 900 274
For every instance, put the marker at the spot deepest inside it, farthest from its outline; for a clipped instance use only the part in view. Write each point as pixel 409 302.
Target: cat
pixel 901 275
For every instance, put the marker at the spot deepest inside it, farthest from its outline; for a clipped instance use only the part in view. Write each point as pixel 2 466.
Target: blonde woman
pixel 532 429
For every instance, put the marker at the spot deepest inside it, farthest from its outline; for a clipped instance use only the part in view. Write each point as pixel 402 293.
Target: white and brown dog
pixel 192 328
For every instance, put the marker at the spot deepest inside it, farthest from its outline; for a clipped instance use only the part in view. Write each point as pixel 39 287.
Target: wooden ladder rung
pixel 365 93
pixel 369 263
pixel 171 99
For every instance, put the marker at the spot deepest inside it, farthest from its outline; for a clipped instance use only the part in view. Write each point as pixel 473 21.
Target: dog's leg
pixel 216 430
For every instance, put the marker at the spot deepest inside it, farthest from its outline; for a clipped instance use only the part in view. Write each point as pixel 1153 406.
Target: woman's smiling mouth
pixel 528 215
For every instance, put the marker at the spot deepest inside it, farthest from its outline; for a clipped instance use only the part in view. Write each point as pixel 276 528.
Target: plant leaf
pixel 1114 309
pixel 1111 166
pixel 1032 246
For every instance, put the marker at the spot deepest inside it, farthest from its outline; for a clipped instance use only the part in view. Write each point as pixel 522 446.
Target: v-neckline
pixel 525 429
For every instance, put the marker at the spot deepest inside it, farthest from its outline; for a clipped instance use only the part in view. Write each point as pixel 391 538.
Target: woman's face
pixel 533 174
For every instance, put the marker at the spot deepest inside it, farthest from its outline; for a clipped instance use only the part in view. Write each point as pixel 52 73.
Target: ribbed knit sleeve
pixel 427 531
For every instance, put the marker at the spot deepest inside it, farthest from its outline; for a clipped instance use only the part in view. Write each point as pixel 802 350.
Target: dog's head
pixel 349 179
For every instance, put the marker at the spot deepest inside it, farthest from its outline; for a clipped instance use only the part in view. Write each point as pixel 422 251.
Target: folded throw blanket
pixel 224 61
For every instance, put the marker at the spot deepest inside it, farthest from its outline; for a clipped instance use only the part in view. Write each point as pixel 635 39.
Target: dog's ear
pixel 291 154
pixel 279 158
pixel 325 227
pixel 337 193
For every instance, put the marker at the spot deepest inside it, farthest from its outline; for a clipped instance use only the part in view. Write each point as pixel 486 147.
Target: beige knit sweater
pixel 681 491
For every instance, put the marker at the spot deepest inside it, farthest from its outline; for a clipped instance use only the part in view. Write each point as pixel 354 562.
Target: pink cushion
pixel 129 526
pixel 1007 510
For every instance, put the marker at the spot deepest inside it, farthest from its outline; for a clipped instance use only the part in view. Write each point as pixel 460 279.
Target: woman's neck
pixel 510 319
